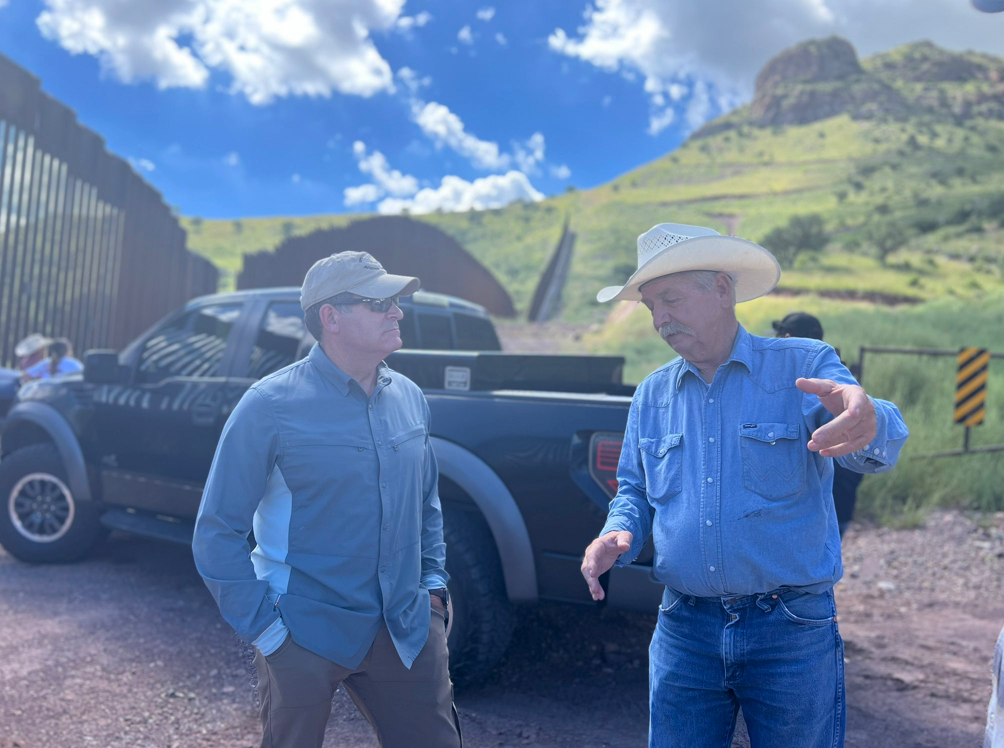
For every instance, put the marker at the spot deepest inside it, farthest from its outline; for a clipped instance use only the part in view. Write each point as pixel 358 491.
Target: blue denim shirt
pixel 341 490
pixel 722 476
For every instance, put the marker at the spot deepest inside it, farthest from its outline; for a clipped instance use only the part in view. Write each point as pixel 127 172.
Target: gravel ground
pixel 127 650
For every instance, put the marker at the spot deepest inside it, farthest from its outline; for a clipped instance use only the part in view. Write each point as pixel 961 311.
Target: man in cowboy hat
pixel 31 350
pixel 728 462
pixel 329 461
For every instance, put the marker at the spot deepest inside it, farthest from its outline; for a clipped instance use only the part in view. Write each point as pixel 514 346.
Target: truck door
pixel 157 434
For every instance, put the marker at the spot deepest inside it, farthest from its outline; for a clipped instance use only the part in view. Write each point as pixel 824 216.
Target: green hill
pixel 900 154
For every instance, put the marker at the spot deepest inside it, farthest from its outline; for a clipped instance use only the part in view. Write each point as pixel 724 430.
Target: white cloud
pixel 500 38
pixel 561 172
pixel 411 81
pixel 389 180
pixel 296 179
pixel 3 3
pixel 364 193
pixel 456 194
pixel 445 128
pixel 486 14
pixel 144 164
pixel 529 153
pixel 269 48
pixel 406 23
pixel 232 159
pixel 677 47
pixel 465 35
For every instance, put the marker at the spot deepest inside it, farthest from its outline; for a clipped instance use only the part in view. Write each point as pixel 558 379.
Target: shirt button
pixel 379 444
pixel 359 448
pixel 383 569
pixel 711 399
pixel 708 522
pixel 711 568
pixel 770 434
pixel 711 480
pixel 711 440
pixel 383 485
pixel 395 448
pixel 876 451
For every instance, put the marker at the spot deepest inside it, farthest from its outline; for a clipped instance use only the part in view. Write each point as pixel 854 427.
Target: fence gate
pixel 970 390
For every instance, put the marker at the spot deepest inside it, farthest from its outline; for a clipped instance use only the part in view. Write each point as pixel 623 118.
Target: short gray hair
pixel 705 280
pixel 312 317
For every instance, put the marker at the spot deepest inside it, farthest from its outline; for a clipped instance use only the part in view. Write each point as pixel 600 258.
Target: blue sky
pixel 293 107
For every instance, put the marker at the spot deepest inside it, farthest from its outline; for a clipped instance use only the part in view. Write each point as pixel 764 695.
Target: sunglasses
pixel 377 305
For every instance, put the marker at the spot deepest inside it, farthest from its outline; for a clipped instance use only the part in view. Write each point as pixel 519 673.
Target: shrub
pixel 801 234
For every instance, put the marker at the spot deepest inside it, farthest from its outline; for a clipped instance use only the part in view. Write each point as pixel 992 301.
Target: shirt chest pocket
pixel 408 441
pixel 774 459
pixel 662 460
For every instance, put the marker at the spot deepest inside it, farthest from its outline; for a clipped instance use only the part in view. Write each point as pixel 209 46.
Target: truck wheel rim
pixel 41 507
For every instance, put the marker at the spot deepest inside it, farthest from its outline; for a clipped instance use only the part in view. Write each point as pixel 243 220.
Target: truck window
pixel 407 325
pixel 475 333
pixel 190 346
pixel 435 331
pixel 278 339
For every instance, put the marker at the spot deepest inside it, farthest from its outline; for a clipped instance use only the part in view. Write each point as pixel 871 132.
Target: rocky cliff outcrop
pixel 817 80
pixel 823 78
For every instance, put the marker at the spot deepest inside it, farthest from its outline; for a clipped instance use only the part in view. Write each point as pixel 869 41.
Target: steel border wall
pixel 88 249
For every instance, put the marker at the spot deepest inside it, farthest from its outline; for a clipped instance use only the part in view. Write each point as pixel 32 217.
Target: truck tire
pixel 40 521
pixel 482 614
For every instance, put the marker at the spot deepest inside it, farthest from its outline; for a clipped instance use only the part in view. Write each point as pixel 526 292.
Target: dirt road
pixel 127 650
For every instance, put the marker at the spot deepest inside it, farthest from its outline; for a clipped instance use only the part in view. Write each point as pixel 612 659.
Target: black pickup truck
pixel 527 449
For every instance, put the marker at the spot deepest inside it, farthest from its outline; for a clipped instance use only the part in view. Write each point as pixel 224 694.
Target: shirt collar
pixel 339 378
pixel 742 352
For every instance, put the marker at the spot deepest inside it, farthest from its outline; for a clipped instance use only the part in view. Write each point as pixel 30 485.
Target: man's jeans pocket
pixel 671 600
pixel 807 609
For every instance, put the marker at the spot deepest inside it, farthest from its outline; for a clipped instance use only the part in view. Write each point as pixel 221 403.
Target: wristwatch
pixel 444 596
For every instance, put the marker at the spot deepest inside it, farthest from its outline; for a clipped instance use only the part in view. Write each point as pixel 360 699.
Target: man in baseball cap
pixel 329 461
pixel 798 325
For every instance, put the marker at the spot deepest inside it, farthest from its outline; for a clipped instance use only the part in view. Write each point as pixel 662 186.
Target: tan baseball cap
pixel 355 272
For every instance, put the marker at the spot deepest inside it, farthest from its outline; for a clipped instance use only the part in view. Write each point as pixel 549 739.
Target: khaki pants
pixel 407 708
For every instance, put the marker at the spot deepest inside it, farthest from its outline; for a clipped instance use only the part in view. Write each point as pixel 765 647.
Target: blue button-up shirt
pixel 341 491
pixel 720 473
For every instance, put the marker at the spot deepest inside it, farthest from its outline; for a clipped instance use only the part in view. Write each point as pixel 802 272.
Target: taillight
pixel 604 454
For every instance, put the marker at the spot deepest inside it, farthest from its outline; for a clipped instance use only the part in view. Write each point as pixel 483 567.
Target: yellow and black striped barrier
pixel 971 386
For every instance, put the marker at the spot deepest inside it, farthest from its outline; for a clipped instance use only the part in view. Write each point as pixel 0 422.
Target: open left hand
pixel 855 424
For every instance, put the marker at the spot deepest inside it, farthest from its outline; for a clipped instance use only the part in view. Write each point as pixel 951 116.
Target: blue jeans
pixel 778 655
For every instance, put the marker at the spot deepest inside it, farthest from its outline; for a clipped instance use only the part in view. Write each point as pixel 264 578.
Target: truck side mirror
pixel 101 367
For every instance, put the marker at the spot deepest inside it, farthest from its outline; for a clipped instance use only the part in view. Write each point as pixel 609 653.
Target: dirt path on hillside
pixel 127 650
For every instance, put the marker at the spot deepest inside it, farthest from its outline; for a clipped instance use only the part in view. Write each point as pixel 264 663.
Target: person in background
pixel 994 734
pixel 845 482
pixel 31 350
pixel 59 362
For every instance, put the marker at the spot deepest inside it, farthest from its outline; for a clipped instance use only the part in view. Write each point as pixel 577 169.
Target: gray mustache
pixel 673 328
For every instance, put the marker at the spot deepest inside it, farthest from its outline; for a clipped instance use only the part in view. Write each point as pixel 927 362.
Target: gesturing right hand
pixel 600 556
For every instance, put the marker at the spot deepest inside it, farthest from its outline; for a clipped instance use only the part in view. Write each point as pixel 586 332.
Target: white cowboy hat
pixel 31 344
pixel 675 248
